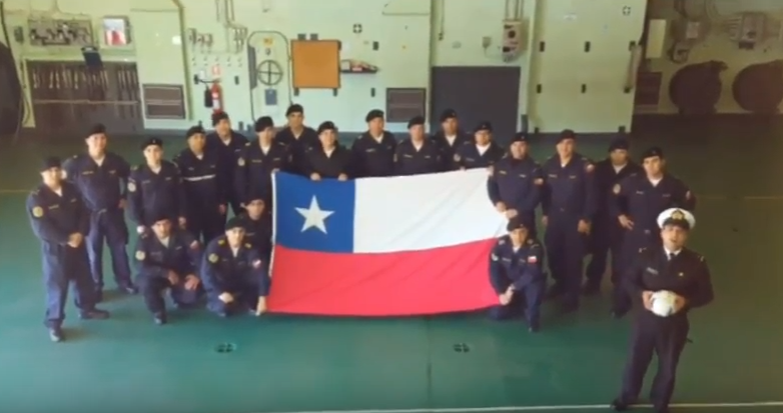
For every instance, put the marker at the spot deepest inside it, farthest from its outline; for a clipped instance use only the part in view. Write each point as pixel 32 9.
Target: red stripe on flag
pixel 441 280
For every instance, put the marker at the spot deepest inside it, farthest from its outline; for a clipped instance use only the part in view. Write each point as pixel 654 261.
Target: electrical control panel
pixel 57 32
pixel 512 42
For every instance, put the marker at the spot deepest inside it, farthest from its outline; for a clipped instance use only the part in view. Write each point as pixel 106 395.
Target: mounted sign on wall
pixel 627 11
pixel 115 31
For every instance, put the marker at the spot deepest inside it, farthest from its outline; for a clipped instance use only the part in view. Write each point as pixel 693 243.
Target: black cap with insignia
pixel 325 126
pixel 96 129
pixel 50 162
pixel 516 223
pixel 619 144
pixel 234 223
pixel 484 126
pixel 416 121
pixel 295 108
pixel 519 137
pixel 263 123
pixel 374 114
pixel 217 117
pixel 448 114
pixel 152 142
pixel 565 135
pixel 652 153
pixel 194 130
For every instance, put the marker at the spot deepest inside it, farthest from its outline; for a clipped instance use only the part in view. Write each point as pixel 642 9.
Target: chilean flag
pixel 397 246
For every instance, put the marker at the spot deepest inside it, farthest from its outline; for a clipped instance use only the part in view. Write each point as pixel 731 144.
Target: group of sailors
pixel 187 245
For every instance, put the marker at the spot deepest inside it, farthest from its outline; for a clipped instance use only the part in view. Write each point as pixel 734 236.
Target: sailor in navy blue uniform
pixel 606 234
pixel 568 204
pixel 637 202
pixel 203 175
pixel 482 152
pixel 167 258
pixel 329 159
pixel 101 177
pixel 682 274
pixel 61 222
pixel 234 274
pixel 417 154
pixel 449 138
pixel 516 274
pixel 257 222
pixel 298 137
pixel 228 143
pixel 259 160
pixel 514 185
pixel 373 151
pixel 155 189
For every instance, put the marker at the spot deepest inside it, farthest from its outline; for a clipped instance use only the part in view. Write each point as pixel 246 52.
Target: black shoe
pixel 56 334
pixel 94 314
pixel 129 289
pixel 160 318
pixel 591 288
pixel 619 405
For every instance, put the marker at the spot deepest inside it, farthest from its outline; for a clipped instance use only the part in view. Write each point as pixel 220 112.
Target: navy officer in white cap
pixel 666 282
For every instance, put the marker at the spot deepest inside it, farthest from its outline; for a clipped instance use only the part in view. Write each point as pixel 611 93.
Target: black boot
pixel 128 288
pixel 160 318
pixel 94 314
pixel 56 334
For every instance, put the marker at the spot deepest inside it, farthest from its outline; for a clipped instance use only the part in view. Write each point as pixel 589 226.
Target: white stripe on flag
pixel 412 213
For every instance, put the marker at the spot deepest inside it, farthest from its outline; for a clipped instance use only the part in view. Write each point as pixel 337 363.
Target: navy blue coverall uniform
pixel 258 233
pixel 158 194
pixel 254 168
pixel 569 195
pixel 328 166
pixel 180 254
pixel 373 158
pixel 202 180
pixel 298 146
pixel 517 183
pixel 243 275
pixel 642 202
pixel 467 156
pixel 606 234
pixel 449 148
pixel 103 189
pixel 54 218
pixel 411 161
pixel 687 275
pixel 228 151
pixel 522 269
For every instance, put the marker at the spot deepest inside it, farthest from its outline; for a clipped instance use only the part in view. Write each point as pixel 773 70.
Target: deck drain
pixel 461 348
pixel 225 347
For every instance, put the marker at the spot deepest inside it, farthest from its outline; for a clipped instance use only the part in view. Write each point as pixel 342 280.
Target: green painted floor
pixel 127 364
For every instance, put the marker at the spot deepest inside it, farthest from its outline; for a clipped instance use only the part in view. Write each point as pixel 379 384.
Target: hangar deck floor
pixel 127 364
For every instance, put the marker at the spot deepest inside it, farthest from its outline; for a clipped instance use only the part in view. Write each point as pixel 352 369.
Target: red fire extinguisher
pixel 217 97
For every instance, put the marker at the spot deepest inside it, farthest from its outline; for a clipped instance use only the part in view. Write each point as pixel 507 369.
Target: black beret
pixel 652 153
pixel 484 126
pixel 325 126
pixel 234 222
pixel 374 114
pixel 217 117
pixel 50 162
pixel 516 223
pixel 619 144
pixel 448 114
pixel 295 108
pixel 263 123
pixel 519 137
pixel 157 218
pixel 566 134
pixel 151 142
pixel 256 195
pixel 416 121
pixel 96 129
pixel 193 130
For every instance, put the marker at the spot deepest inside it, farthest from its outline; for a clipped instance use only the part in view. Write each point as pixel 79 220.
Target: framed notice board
pixel 315 64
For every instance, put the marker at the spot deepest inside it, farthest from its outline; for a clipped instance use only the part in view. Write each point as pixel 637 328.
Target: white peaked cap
pixel 672 215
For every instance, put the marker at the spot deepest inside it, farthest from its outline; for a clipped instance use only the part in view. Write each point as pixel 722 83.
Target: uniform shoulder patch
pixel 616 189
pixel 140 255
pixel 241 161
pixel 501 241
pixel 131 186
pixel 589 167
pixel 457 158
pixel 194 245
pixel 37 211
pixel 213 258
pixel 248 246
pixel 494 257
pixel 221 241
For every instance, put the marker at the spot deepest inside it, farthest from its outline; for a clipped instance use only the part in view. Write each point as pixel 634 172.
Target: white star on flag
pixel 314 216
